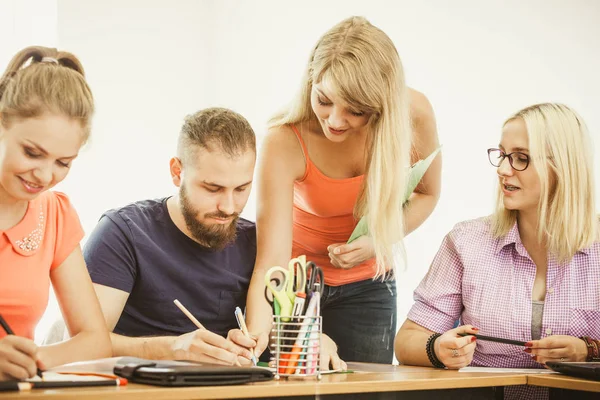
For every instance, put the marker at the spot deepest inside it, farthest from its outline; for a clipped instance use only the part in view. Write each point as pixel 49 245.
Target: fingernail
pixel 529 344
pixel 473 338
pixel 336 251
pixel 527 350
pixel 475 329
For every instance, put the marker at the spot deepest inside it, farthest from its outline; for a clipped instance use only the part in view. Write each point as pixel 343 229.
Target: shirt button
pixel 548 331
pixel 551 290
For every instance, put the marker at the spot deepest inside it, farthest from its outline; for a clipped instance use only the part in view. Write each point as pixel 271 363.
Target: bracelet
pixel 593 348
pixel 431 352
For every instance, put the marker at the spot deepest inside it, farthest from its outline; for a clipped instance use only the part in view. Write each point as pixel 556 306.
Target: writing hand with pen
pixel 18 358
pixel 205 346
pixel 254 343
pixel 349 255
pixel 454 350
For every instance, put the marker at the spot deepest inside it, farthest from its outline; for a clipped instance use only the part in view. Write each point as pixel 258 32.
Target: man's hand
pixel 346 256
pixel 255 344
pixel 205 346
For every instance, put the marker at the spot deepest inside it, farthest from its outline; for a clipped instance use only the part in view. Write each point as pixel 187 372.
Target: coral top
pixel 323 215
pixel 40 242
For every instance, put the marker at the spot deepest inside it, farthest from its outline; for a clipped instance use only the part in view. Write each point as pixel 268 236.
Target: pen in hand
pixel 194 320
pixel 9 331
pixel 188 314
pixel 242 324
pixel 494 339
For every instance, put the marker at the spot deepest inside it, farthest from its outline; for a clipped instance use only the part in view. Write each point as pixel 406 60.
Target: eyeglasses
pixel 517 160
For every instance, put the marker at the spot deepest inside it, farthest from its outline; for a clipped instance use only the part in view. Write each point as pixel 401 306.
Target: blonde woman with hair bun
pixel 46 108
pixel 340 151
pixel 530 271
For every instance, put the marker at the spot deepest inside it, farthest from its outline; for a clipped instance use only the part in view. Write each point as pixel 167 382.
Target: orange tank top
pixel 323 215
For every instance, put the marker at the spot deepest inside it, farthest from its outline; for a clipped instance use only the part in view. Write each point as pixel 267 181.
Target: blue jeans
pixel 360 318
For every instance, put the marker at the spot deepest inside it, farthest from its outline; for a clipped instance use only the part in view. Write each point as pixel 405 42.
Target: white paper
pixel 60 377
pixel 102 366
pixel 507 370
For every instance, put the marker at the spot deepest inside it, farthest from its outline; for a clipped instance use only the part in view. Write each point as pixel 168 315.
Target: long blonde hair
pixel 560 148
pixel 362 64
pixel 40 79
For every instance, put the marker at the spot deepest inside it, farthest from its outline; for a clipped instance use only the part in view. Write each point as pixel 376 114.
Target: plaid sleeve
pixel 438 298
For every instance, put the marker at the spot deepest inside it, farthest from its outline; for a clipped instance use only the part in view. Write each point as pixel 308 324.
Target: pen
pixel 494 339
pixel 195 321
pixel 242 324
pixel 9 331
pixel 303 333
pixel 188 314
pixel 20 386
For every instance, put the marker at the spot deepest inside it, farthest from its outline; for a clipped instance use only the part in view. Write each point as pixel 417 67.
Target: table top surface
pixel 563 382
pixel 368 378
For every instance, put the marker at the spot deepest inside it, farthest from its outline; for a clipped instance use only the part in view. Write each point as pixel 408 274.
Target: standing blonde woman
pixel 45 111
pixel 340 151
pixel 530 272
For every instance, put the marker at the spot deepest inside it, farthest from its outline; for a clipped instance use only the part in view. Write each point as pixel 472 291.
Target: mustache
pixel 220 214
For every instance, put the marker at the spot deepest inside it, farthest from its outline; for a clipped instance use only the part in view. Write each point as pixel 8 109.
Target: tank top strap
pixel 304 151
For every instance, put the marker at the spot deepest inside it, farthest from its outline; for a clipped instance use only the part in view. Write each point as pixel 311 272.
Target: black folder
pixel 588 370
pixel 184 373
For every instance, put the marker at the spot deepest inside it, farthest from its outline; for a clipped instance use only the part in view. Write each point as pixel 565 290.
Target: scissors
pixel 297 268
pixel 272 300
pixel 316 281
pixel 281 291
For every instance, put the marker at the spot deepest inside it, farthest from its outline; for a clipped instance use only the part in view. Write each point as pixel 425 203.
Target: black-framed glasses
pixel 518 161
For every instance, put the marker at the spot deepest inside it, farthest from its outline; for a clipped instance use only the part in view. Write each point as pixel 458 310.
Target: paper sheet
pixel 417 170
pixel 56 377
pixel 507 370
pixel 103 365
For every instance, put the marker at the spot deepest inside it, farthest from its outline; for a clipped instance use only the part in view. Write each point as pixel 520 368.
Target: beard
pixel 213 236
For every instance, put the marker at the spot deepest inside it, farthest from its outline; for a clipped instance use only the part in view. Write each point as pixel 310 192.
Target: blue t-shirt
pixel 140 250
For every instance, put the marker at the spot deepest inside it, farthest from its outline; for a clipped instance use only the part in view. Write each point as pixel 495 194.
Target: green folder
pixel 416 172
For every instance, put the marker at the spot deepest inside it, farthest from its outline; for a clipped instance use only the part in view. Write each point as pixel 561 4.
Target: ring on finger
pixel 454 352
pixel 562 359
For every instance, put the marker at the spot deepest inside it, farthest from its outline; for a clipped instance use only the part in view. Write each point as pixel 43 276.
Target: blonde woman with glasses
pixel 530 272
pixel 337 153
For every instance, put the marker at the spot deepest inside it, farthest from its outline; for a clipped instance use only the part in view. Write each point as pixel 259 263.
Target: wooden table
pixel 566 387
pixel 371 381
pixel 376 382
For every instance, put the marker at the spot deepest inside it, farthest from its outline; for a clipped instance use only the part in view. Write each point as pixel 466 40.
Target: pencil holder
pixel 296 346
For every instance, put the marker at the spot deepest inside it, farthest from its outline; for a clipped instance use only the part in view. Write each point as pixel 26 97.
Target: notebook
pixel 183 373
pixel 588 370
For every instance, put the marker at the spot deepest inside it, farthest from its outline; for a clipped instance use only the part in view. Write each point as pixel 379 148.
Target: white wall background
pixel 152 62
pixel 26 22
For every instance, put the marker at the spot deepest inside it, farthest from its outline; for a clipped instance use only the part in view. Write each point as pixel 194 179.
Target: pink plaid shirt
pixel 487 282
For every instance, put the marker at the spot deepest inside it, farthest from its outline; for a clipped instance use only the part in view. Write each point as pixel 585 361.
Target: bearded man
pixel 193 247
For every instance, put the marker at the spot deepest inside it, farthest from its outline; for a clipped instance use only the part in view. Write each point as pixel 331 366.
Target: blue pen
pixel 242 324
